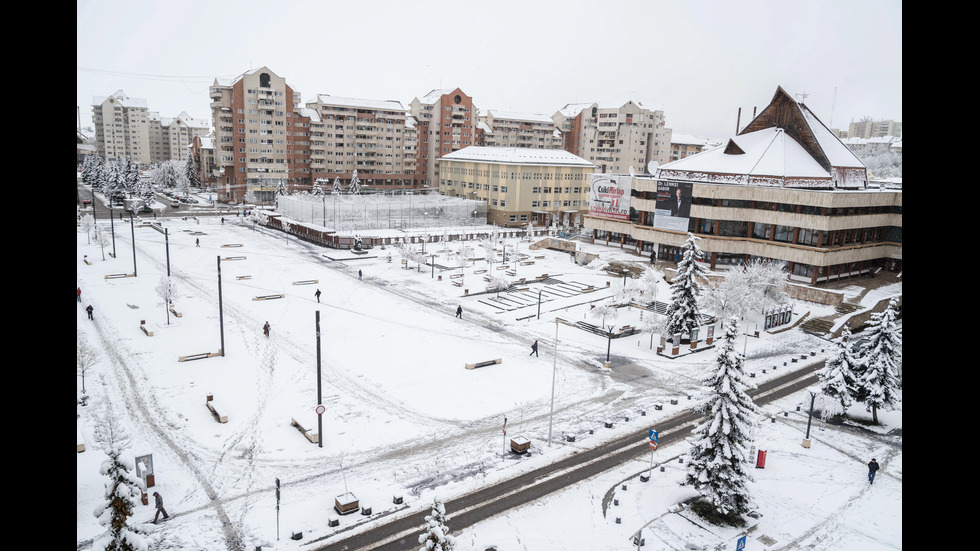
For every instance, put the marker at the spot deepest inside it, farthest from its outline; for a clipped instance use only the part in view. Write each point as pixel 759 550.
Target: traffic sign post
pixel 654 438
pixel 741 544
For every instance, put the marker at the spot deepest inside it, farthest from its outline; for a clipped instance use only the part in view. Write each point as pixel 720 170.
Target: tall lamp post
pixel 813 397
pixel 554 370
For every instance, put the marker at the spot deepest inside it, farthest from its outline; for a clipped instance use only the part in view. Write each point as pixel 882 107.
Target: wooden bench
pixel 198 356
pixel 488 279
pixel 479 271
pixel 233 258
pixel 306 282
pixel 117 276
pixel 588 289
pixel 520 444
pixel 175 312
pixel 233 245
pixel 454 276
pixel 527 262
pixel 484 364
pixel 243 277
pixel 458 283
pixel 309 434
pixel 215 410
pixel 539 257
pixel 147 331
pixel 503 267
pixel 541 277
pixel 511 273
pixel 85 260
pixel 268 297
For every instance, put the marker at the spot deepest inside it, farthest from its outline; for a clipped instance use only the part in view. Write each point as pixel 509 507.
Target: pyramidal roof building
pixel 784 189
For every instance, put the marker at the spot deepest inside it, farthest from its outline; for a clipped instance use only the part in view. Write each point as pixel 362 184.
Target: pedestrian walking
pixel 159 505
pixel 872 469
pixel 534 349
pixel 265 329
pixel 197 241
pixel 78 294
pixel 360 274
pixel 89 309
pixel 317 293
pixel 459 312
pixel 222 219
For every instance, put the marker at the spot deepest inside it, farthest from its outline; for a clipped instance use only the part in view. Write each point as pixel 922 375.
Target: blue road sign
pixel 654 435
pixel 741 544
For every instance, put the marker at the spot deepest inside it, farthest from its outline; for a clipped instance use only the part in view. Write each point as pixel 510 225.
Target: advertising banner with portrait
pixel 610 196
pixel 673 206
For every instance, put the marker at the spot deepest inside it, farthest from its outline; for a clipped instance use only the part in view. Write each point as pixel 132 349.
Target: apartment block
pixel 519 185
pixel 377 138
pixel 867 128
pixel 446 121
pixel 506 129
pixel 683 145
pixel 122 129
pixel 616 135
pixel 253 118
pixel 171 137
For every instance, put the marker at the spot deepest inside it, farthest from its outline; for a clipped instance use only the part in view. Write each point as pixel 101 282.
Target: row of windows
pixel 799 236
pixel 789 207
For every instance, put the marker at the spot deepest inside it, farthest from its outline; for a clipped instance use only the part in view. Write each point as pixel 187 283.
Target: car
pixel 86 201
pixel 174 203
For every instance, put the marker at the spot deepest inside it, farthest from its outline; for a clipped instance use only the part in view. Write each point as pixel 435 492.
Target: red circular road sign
pixel 653 445
pixel 320 409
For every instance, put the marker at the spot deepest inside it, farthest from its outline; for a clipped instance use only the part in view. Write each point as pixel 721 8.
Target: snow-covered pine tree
pixel 720 445
pixel 881 361
pixel 683 313
pixel 436 536
pixel 191 171
pixel 355 185
pixel 122 489
pixel 318 187
pixel 280 191
pixel 838 378
pixel 91 169
pixel 337 188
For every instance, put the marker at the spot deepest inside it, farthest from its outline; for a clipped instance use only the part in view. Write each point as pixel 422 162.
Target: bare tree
pixel 85 361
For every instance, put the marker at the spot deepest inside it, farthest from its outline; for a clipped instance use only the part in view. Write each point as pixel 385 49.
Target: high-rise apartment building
pixel 615 135
pixel 867 128
pixel 171 137
pixel 682 145
pixel 373 137
pixel 253 118
pixel 505 129
pixel 446 121
pixel 122 129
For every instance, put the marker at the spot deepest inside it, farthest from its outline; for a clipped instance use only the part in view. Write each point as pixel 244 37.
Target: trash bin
pixel 761 461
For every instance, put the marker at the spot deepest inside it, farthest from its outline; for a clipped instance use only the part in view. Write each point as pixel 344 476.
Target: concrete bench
pixel 216 411
pixel 308 433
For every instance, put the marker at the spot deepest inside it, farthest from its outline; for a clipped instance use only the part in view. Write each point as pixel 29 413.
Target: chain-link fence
pixel 357 213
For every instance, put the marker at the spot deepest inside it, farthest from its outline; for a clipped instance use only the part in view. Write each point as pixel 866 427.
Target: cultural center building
pixel 784 188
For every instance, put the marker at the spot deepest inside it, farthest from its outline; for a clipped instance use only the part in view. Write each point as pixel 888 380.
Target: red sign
pixel 320 409
pixel 653 445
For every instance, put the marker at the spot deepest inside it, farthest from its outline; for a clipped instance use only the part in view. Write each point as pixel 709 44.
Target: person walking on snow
pixel 265 329
pixel 872 469
pixel 534 349
pixel 197 241
pixel 78 293
pixel 360 274
pixel 160 509
pixel 317 293
pixel 89 309
pixel 459 312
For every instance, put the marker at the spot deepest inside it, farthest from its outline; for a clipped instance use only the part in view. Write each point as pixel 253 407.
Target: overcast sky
pixel 698 60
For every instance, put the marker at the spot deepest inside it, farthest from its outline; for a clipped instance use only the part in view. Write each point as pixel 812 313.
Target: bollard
pixel 624 486
pixel 661 468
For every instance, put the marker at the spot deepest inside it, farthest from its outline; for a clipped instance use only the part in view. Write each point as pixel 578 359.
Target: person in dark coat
pixel 317 293
pixel 89 309
pixel 159 505
pixel 534 349
pixel 360 274
pixel 459 312
pixel 265 329
pixel 872 469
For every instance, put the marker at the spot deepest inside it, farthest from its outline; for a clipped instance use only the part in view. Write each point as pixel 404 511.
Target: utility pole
pixel 319 394
pixel 221 318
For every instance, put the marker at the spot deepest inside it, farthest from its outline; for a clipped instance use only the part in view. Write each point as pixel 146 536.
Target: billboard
pixel 673 206
pixel 610 196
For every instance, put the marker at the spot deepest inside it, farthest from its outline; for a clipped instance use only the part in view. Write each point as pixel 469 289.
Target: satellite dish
pixel 652 166
pixel 632 172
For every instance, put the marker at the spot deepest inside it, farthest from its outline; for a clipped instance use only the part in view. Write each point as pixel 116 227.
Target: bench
pixel 309 434
pixel 198 356
pixel 216 411
pixel 175 312
pixel 306 282
pixel 145 330
pixel 233 258
pixel 488 279
pixel 484 364
pixel 503 267
pixel 454 276
pixel 479 271
pixel 233 245
pixel 527 262
pixel 539 257
pixel 458 283
pixel 243 277
pixel 541 277
pixel 79 442
pixel 511 273
pixel 85 260
pixel 588 289
pixel 268 297
pixel 117 276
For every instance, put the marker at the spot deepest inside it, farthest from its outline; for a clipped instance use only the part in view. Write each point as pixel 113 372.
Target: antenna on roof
pixel 804 94
pixel 832 104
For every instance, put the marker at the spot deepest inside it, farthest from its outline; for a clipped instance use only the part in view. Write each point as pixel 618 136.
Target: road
pixel 401 534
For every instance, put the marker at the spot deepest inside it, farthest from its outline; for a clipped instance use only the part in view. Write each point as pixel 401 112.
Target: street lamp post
pixel 554 370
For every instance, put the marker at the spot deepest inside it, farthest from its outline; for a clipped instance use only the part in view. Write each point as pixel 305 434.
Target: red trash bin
pixel 760 463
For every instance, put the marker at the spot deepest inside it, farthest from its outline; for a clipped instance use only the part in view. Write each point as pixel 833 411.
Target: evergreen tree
pixel 838 378
pixel 436 536
pixel 191 171
pixel 122 490
pixel 317 188
pixel 881 360
pixel 719 448
pixel 355 185
pixel 337 188
pixel 92 171
pixel 683 313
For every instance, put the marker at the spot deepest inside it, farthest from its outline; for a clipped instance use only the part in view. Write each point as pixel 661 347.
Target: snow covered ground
pixel 404 417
